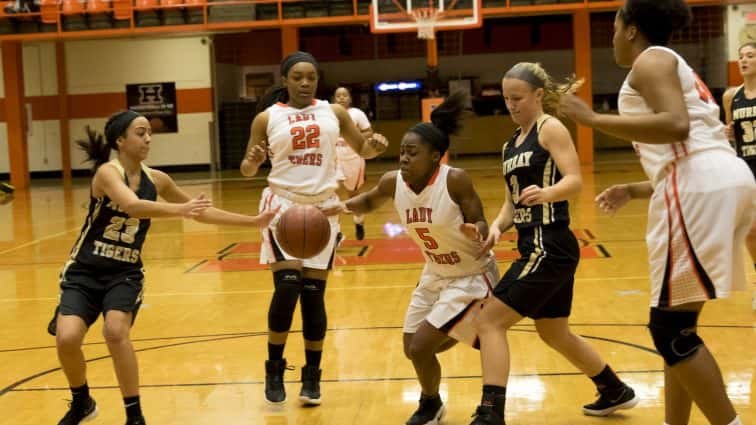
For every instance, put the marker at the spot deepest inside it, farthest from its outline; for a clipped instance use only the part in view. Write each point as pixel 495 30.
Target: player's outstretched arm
pixel 375 197
pixel 615 197
pixel 255 154
pixel 366 147
pixel 168 189
pixel 655 77
pixel 463 193
pixel 108 181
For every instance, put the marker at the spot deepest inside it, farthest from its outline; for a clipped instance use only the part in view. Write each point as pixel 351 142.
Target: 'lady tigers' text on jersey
pixel 302 148
pixel 433 221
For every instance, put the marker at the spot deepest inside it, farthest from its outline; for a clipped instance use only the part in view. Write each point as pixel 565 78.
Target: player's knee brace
pixel 314 320
pixel 288 286
pixel 674 334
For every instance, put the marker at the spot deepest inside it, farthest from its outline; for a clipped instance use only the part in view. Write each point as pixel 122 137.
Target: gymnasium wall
pixel 97 73
pixel 735 24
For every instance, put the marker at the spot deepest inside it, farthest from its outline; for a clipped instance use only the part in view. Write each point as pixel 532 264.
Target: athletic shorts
pixel 698 218
pixel 87 293
pixel 539 284
pixel 446 303
pixel 350 168
pixel 271 251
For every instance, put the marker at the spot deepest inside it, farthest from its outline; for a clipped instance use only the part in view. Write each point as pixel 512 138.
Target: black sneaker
pixel 80 413
pixel 359 231
pixel 429 412
pixel 486 416
pixel 52 327
pixel 274 384
pixel 610 401
pixel 310 394
pixel 136 421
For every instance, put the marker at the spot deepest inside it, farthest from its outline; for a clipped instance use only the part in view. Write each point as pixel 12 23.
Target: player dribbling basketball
pixel 301 133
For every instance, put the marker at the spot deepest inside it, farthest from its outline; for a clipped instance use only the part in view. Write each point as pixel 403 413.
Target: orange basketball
pixel 303 231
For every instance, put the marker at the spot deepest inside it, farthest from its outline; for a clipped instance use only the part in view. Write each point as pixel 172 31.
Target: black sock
pixel 494 397
pixel 80 394
pixel 275 352
pixel 313 357
pixel 607 380
pixel 133 408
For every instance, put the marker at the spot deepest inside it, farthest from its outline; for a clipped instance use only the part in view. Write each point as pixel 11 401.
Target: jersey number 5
pixel 430 243
pixel 114 233
pixel 305 137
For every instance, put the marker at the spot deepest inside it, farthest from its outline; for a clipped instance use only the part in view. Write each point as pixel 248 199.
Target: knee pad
pixel 674 334
pixel 314 320
pixel 288 285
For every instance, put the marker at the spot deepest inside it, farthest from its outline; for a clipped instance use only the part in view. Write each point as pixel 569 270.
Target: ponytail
pixel 98 147
pixel 445 121
pixel 97 150
pixel 274 94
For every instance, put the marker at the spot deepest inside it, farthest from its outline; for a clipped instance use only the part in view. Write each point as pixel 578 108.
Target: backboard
pixel 424 16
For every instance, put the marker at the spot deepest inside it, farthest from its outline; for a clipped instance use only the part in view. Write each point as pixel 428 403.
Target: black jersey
pixel 531 164
pixel 744 120
pixel 110 240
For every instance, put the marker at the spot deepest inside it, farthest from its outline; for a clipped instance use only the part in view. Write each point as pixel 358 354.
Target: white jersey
pixel 302 148
pixel 706 131
pixel 432 220
pixel 344 151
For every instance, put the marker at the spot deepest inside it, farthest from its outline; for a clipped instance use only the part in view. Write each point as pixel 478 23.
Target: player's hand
pixel 195 207
pixel 378 142
pixel 335 209
pixel 533 195
pixel 494 234
pixel 264 218
pixel 613 198
pixel 576 109
pixel 256 155
pixel 471 232
pixel 729 131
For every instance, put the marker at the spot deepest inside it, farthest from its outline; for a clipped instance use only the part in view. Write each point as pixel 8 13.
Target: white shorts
pixel 270 251
pixel 350 168
pixel 447 303
pixel 698 219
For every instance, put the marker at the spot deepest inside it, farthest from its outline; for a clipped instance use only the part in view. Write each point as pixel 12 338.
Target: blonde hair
pixel 534 74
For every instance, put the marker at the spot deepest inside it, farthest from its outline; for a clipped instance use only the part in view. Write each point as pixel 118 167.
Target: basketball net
pixel 426 21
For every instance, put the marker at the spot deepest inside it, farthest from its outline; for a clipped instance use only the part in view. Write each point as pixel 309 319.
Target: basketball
pixel 303 231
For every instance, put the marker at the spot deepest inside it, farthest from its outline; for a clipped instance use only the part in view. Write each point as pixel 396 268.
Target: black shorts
pixel 539 284
pixel 751 164
pixel 87 293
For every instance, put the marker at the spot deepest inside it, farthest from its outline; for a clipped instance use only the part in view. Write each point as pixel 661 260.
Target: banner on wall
pixel 157 102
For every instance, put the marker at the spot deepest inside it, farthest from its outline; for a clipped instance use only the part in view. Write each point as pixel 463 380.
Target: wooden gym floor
pixel 201 334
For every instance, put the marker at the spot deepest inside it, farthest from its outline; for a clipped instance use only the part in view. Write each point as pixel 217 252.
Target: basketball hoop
pixel 426 18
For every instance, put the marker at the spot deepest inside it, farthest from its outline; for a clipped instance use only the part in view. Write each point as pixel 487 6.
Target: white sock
pixel 736 421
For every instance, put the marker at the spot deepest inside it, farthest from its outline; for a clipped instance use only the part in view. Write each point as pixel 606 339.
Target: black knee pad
pixel 674 334
pixel 288 286
pixel 314 320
